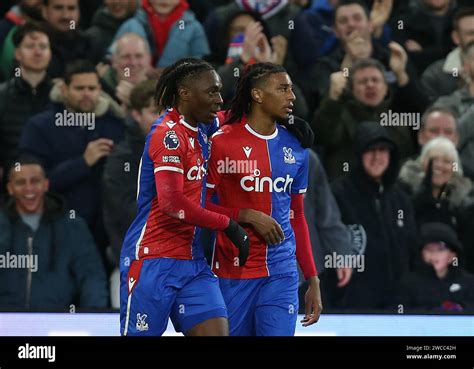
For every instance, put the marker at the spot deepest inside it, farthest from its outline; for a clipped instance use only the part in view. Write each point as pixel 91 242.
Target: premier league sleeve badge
pixel 171 140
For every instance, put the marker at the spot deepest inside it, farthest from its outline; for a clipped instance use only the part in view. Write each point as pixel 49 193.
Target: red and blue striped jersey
pixel 249 170
pixel 171 145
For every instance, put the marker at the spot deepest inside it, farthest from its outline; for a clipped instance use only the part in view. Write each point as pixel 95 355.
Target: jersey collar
pixel 263 137
pixel 187 125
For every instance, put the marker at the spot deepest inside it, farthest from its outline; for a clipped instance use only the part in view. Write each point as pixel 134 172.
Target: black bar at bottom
pixel 237 352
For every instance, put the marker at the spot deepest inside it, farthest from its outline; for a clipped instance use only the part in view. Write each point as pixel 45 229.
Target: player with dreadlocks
pixel 163 270
pixel 262 296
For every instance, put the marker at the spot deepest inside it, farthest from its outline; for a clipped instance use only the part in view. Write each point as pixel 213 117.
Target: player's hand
pixel 240 239
pixel 97 149
pixel 313 304
pixel 264 225
pixel 301 130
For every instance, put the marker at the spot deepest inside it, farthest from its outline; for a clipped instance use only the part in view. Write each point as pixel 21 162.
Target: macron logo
pixel 191 141
pixel 170 124
pixel 247 151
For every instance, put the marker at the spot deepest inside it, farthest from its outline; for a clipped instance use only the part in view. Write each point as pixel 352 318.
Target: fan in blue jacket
pixel 48 259
pixel 73 140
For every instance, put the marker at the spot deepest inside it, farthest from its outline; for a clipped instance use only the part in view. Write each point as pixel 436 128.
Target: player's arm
pixel 304 252
pixel 304 255
pixel 173 202
pixel 265 225
pixel 167 155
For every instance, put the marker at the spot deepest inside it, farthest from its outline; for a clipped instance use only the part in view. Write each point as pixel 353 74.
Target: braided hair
pixel 253 75
pixel 173 76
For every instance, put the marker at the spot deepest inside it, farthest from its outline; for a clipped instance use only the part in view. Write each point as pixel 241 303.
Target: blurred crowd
pixel 386 86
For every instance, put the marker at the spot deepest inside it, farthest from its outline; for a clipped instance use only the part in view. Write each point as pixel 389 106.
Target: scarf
pixel 161 29
pixel 266 8
pixel 235 48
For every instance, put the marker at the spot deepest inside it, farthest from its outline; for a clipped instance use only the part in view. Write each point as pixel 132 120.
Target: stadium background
pixel 312 53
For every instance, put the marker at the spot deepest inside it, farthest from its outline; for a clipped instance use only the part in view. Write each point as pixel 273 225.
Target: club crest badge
pixel 288 156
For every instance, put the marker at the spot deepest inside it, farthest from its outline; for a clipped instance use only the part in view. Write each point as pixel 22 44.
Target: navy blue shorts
pixel 262 306
pixel 153 290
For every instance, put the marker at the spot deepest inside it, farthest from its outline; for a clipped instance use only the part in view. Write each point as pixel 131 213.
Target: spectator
pixel 466 144
pixel 27 94
pixel 278 15
pixel 30 9
pixel 353 30
pixel 438 121
pixel 436 182
pixel 248 43
pixel 314 35
pixel 442 285
pixel 427 41
pixel 439 190
pixel 171 30
pixel 442 77
pixel 106 22
pixel 369 198
pixel 461 101
pixel 121 169
pixel 231 36
pixel 6 5
pixel 328 234
pixel 64 265
pixel 68 42
pixel 202 8
pixel 88 9
pixel 27 13
pixel 366 98
pixel 131 63
pixel 73 139
pixel 120 175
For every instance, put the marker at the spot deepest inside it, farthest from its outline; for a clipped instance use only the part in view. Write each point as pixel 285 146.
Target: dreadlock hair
pixel 252 76
pixel 173 76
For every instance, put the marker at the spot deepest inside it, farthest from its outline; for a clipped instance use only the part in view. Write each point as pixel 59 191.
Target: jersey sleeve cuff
pixel 168 168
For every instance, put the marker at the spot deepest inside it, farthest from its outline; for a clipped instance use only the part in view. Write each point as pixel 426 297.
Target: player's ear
pixel 256 95
pixel 184 93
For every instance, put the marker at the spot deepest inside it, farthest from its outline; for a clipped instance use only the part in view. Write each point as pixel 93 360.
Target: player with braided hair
pixel 262 296
pixel 163 270
pixel 242 101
